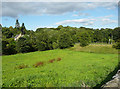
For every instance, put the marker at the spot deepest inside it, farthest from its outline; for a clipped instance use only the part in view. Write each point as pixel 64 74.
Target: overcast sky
pixel 53 14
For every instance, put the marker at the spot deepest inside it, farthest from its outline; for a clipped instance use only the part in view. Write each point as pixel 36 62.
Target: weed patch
pixel 22 66
pixel 58 59
pixel 51 61
pixel 38 64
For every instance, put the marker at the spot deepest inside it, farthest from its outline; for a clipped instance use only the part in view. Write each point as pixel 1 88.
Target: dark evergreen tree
pixel 17 25
pixel 23 29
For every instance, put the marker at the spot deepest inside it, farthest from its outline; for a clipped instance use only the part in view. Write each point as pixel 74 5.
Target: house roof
pixel 16 36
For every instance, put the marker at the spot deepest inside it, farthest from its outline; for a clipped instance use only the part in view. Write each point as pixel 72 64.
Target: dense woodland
pixel 53 38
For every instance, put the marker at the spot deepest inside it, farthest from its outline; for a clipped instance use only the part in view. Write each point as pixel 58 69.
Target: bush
pixel 117 45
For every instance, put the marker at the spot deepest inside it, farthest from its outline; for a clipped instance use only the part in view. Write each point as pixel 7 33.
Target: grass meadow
pixel 72 67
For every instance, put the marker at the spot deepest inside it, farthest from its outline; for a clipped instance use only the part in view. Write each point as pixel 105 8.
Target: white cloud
pixel 81 14
pixel 106 21
pixel 14 9
pixel 77 21
pixel 89 21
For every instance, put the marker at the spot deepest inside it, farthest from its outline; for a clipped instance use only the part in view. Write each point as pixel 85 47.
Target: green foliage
pixel 55 45
pixel 65 40
pixel 41 46
pixel 23 45
pixel 42 41
pixel 59 27
pixel 6 32
pixel 116 34
pixel 8 46
pixel 117 44
pixel 97 36
pixel 84 39
pixel 32 40
pixel 60 37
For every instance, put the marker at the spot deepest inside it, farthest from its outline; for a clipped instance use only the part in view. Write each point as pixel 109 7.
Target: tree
pixel 7 32
pixel 42 41
pixel 116 34
pixel 10 27
pixel 23 29
pixel 98 36
pixel 23 45
pixel 84 39
pixel 65 40
pixel 32 40
pixel 59 27
pixel 73 35
pixel 17 25
pixel 117 44
pixel 8 46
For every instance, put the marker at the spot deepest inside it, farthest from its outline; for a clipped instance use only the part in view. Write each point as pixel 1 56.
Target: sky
pixel 52 14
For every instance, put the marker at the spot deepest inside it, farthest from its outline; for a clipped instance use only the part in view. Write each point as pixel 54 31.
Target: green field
pixel 78 67
pixel 96 48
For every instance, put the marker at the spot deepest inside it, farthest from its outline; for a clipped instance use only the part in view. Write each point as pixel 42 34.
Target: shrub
pixel 117 45
pixel 38 64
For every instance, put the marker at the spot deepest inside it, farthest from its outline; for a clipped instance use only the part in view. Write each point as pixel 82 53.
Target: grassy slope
pixel 74 68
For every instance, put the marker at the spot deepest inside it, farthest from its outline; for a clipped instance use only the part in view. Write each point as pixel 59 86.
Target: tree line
pixel 53 38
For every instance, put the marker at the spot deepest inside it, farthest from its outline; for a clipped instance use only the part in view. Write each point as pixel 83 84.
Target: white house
pixel 18 36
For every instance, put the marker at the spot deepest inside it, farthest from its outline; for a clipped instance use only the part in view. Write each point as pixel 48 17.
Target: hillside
pixel 74 69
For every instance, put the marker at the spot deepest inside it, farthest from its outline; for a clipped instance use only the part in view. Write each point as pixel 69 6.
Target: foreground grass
pixel 74 70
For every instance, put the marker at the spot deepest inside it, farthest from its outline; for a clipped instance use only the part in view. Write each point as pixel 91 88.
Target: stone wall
pixel 114 83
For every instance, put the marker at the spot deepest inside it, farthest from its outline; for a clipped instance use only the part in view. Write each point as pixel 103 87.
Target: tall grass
pixel 96 48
